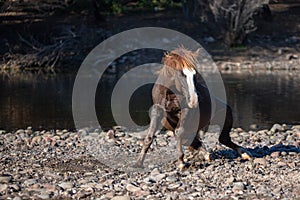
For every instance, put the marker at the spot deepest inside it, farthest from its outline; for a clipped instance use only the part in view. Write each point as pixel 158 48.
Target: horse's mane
pixel 180 58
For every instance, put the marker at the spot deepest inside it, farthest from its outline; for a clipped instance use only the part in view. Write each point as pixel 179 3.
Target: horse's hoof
pixel 207 157
pixel 181 166
pixel 246 156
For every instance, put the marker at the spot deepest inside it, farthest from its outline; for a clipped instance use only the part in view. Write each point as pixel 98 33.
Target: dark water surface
pixel 45 101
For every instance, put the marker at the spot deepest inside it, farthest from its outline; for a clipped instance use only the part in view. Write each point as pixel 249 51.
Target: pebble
pixel 238 186
pixel 275 154
pixel 3 187
pixel 171 179
pixel 158 177
pixel 281 164
pixel 15 187
pixel 66 185
pixel 132 188
pixel 170 133
pixel 5 179
pixel 121 198
pixel 276 128
pixel 174 186
pixel 80 166
pixel 230 180
pixel 261 161
pixel 29 182
pixel 43 196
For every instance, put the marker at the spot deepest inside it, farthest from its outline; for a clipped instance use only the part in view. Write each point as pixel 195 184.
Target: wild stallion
pixel 182 104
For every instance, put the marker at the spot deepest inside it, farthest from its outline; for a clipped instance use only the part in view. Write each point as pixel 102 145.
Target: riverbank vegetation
pixel 59 34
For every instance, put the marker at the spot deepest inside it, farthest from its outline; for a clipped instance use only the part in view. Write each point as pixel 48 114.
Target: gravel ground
pixel 95 165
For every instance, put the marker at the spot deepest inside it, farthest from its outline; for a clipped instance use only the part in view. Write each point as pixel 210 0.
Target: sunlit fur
pixel 181 58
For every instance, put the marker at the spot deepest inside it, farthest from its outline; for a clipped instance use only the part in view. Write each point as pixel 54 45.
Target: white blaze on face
pixel 189 73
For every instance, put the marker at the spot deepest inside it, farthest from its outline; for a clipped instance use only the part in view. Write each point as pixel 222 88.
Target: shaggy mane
pixel 180 58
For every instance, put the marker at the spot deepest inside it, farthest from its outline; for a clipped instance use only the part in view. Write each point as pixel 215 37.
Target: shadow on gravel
pixel 257 152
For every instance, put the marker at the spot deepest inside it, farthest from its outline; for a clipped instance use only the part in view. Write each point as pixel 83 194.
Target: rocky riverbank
pixel 95 165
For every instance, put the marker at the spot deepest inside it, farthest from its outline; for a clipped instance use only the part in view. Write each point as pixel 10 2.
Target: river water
pixel 44 101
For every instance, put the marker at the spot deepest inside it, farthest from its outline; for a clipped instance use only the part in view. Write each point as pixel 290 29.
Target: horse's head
pixel 180 64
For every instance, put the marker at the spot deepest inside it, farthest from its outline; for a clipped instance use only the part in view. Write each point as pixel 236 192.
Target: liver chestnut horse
pixel 182 104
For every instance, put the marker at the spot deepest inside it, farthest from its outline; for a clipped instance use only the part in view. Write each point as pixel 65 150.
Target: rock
pixel 297 144
pixel 43 196
pixel 297 190
pixel 119 128
pixel 276 128
pixel 49 187
pixel 110 195
pixel 275 154
pixel 155 171
pixel 239 130
pixel 29 182
pixel 283 153
pixel 277 190
pixel 170 133
pixel 20 131
pixel 230 180
pixel 36 140
pixel 121 198
pixel 261 161
pixel 161 142
pixel 94 134
pixel 132 188
pixel 298 134
pixel 174 186
pixel 110 134
pixel 2 132
pixel 66 185
pixel 281 164
pixel 253 126
pixel 171 179
pixel 234 134
pixel 209 39
pixel 5 179
pixel 15 187
pixel 3 187
pixel 46 172
pixel 82 132
pixel 296 127
pixel 238 186
pixel 261 190
pixel 158 177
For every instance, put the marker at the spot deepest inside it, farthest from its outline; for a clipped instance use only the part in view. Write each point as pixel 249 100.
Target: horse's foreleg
pixel 225 136
pixel 156 116
pixel 178 133
pixel 182 132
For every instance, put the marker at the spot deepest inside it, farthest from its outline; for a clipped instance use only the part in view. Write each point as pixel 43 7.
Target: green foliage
pixel 118 6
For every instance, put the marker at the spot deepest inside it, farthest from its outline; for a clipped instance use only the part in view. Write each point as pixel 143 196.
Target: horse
pixel 181 103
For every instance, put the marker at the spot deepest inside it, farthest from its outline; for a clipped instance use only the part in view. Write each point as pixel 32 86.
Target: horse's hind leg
pixel 197 145
pixel 225 136
pixel 156 116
